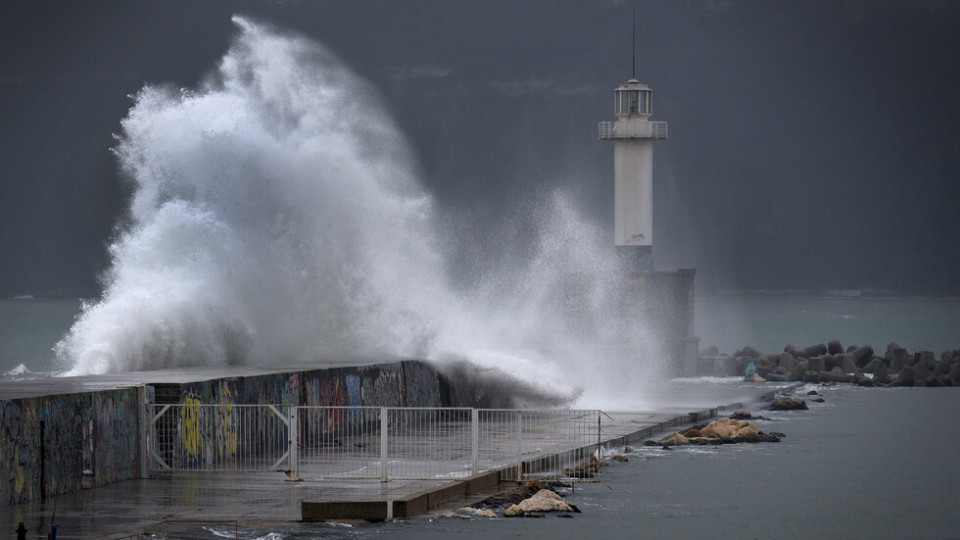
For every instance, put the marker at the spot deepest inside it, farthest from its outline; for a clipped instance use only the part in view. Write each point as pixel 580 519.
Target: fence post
pixel 383 444
pixel 519 446
pixel 145 432
pixel 599 436
pixel 294 443
pixel 475 428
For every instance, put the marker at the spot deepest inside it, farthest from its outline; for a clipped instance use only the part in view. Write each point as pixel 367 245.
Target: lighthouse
pixel 633 135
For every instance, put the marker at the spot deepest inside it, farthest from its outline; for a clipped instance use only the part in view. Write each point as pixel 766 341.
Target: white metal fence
pixel 219 437
pixel 372 442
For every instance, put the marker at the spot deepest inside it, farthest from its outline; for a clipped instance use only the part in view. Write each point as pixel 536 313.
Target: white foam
pixel 276 219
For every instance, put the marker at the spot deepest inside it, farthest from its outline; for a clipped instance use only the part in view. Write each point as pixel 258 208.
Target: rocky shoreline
pixel 831 362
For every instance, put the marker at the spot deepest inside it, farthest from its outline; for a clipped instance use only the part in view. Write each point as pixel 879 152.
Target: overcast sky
pixel 812 144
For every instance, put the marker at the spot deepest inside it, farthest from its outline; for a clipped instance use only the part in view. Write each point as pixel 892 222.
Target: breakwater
pixel 63 435
pixel 831 362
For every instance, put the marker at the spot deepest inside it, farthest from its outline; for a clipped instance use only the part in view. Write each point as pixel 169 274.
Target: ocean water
pixel 29 329
pixel 769 323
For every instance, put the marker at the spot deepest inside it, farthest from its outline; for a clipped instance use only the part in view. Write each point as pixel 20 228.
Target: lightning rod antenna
pixel 634 47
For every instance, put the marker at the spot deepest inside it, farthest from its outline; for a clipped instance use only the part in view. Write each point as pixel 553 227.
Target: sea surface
pixel 29 329
pixel 865 463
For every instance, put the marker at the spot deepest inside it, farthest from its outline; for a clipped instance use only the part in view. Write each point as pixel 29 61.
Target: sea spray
pixel 276 219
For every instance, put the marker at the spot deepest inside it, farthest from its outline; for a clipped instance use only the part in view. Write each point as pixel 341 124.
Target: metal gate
pixel 223 437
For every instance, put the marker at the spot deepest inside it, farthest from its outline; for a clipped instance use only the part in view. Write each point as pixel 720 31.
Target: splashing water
pixel 276 219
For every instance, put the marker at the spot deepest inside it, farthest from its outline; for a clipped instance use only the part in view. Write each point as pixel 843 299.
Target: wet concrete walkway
pixel 126 509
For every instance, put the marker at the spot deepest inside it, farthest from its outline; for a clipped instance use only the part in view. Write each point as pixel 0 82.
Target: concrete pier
pixel 55 429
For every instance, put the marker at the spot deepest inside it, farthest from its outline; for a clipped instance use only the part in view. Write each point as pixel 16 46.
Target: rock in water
pixel 675 439
pixel 788 404
pixel 544 501
pixel 513 511
pixel 725 428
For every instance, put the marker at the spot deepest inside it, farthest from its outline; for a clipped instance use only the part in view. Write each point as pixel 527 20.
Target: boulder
pixel 741 415
pixel 620 457
pixel 513 511
pixel 811 377
pixel 724 428
pixel 754 378
pixel 862 380
pixel 749 431
pixel 834 347
pixel 851 348
pixel 675 439
pixel 748 351
pixel 544 501
pixel 933 381
pixel 788 404
pixel 692 432
pixel 517 494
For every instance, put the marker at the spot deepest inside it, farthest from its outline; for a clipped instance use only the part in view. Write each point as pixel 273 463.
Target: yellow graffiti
pixel 226 424
pixel 191 429
pixel 19 480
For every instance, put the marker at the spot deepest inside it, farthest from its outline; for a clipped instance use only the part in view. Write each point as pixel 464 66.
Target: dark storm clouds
pixel 812 144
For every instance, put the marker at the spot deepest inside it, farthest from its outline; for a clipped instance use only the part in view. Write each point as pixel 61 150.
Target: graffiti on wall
pixel 48 442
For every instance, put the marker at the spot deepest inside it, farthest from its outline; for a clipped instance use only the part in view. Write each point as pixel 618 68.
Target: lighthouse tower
pixel 633 135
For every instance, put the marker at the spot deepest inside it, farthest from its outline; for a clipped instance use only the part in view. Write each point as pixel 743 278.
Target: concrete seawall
pixel 55 429
pixel 46 443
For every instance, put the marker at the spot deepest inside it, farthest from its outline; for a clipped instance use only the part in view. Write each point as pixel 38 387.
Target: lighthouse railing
pixel 633 130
